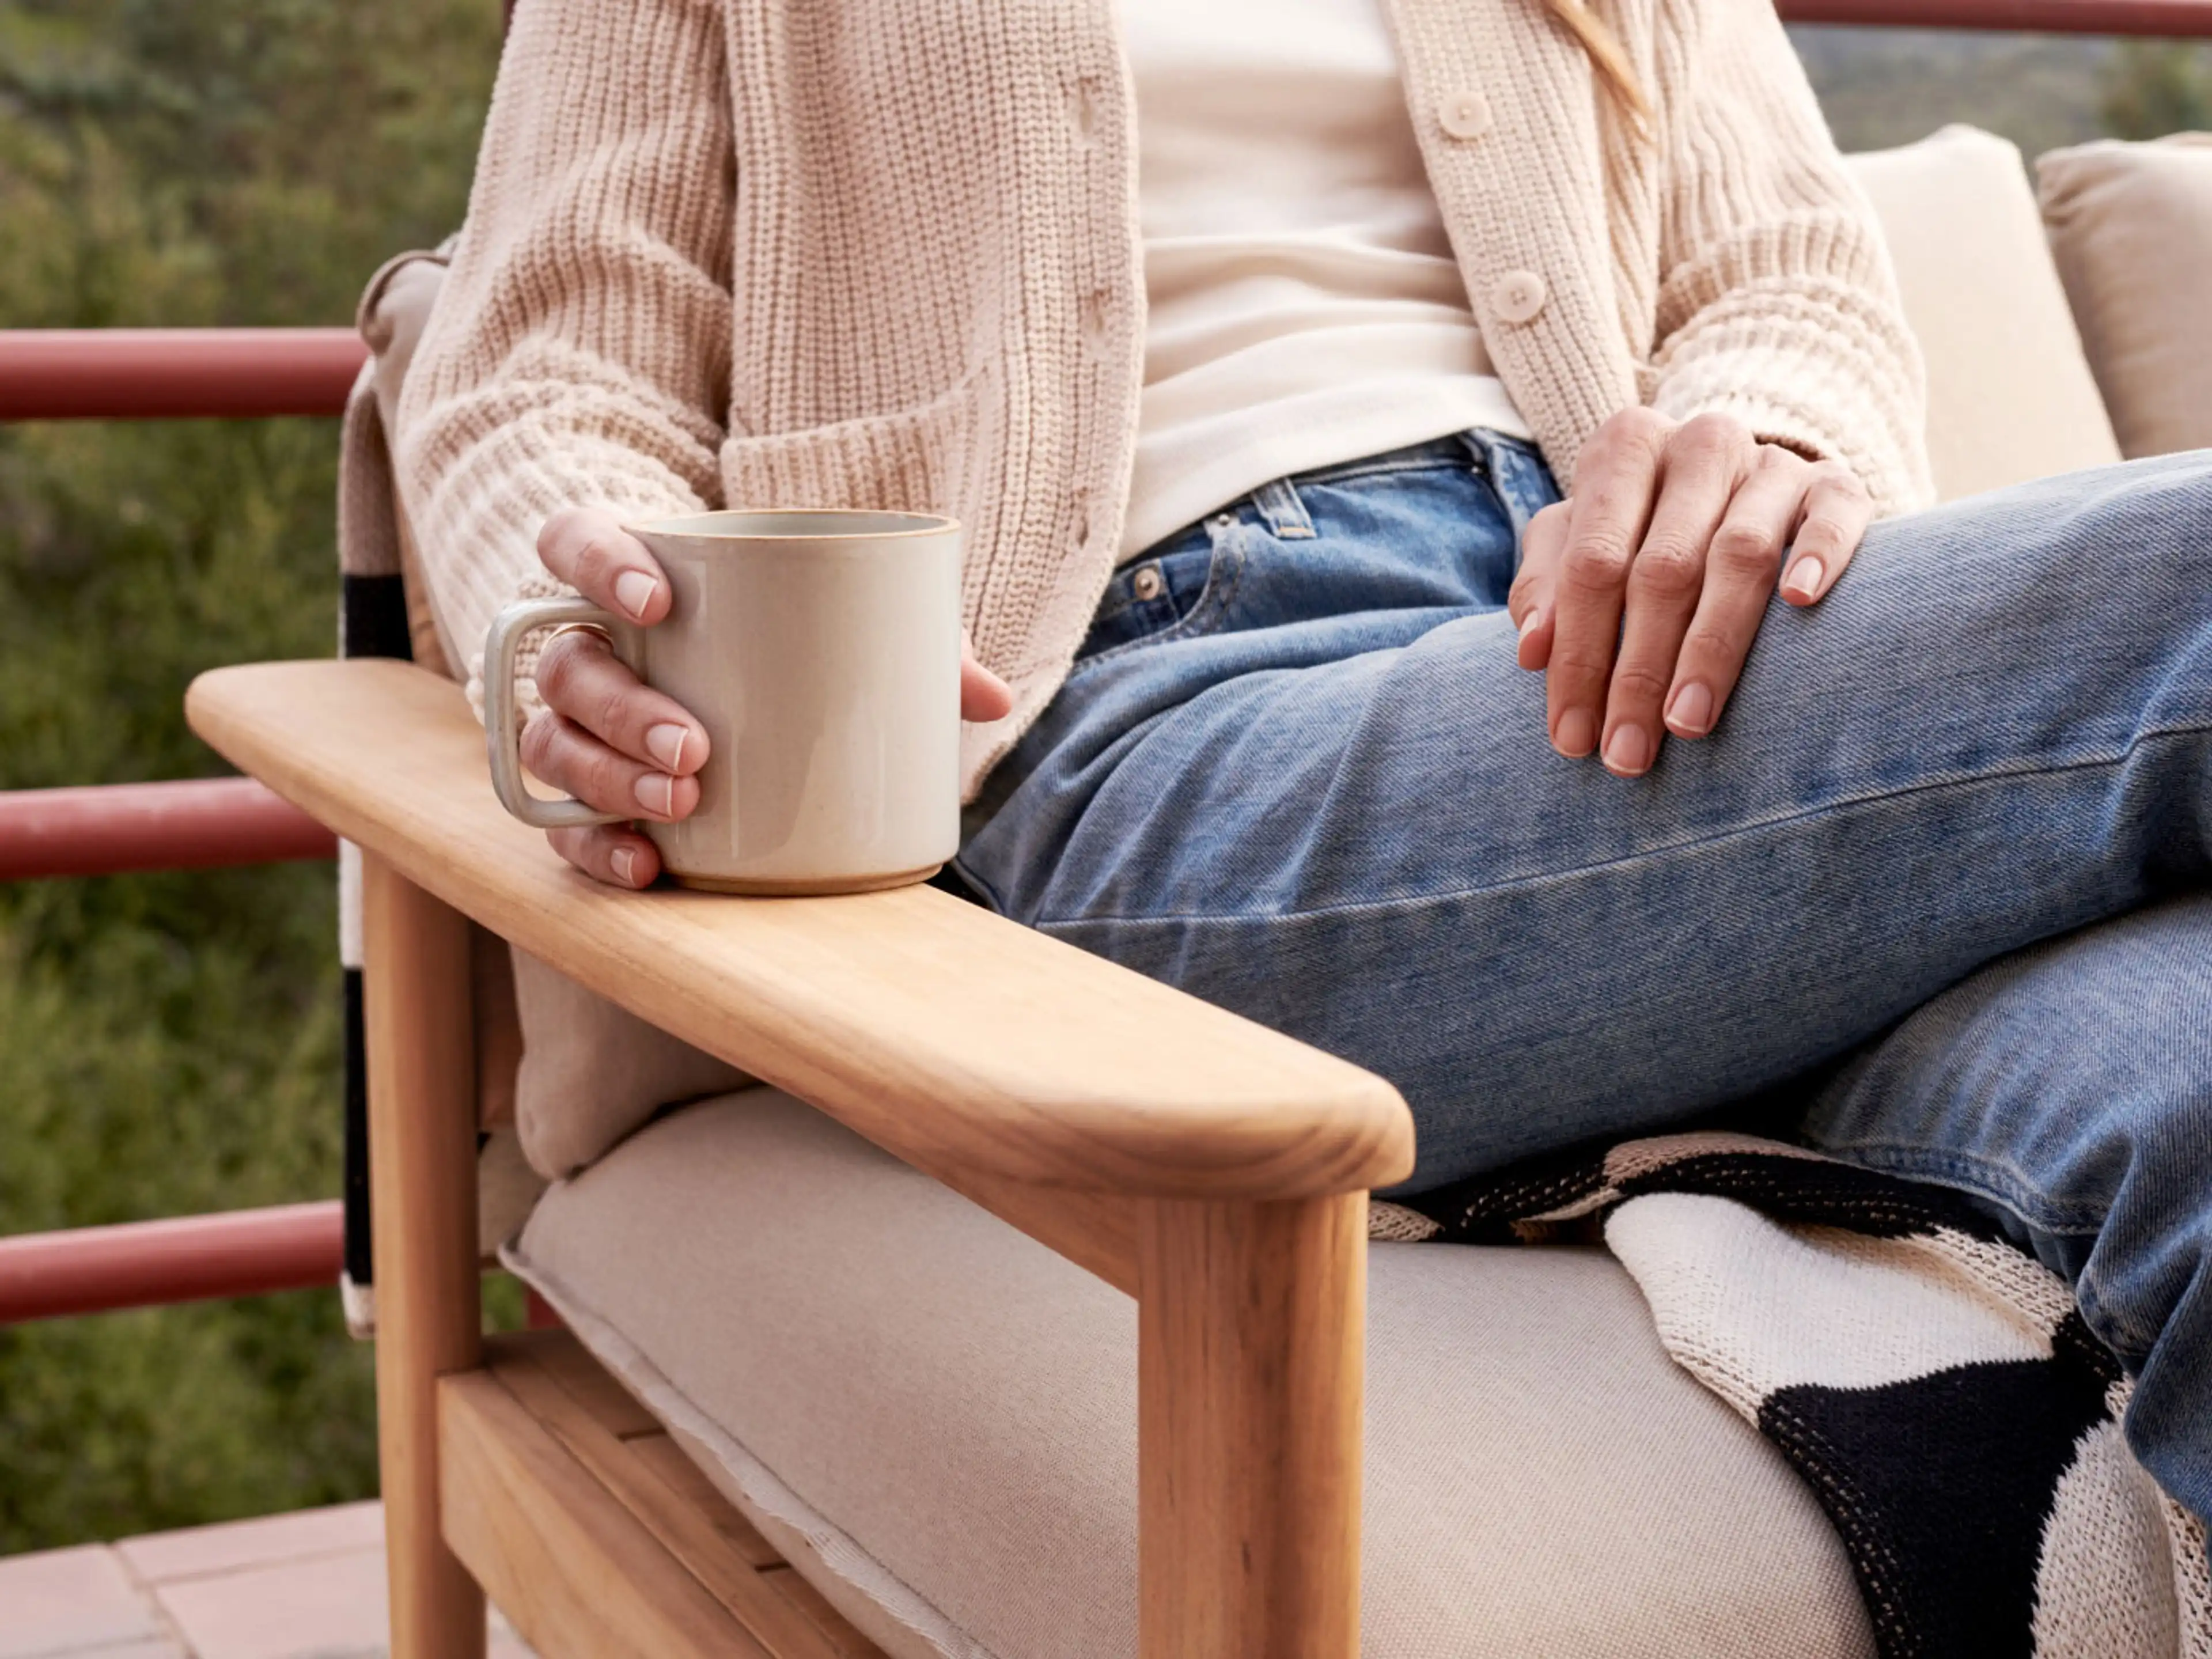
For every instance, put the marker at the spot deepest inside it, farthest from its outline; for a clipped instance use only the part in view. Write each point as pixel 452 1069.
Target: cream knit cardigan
pixel 760 253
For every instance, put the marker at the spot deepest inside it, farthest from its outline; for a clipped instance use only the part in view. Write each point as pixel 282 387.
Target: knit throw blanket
pixel 1935 1385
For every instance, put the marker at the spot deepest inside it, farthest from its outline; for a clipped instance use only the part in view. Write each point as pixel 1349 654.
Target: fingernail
pixel 657 795
pixel 634 591
pixel 624 860
pixel 1574 737
pixel 1528 622
pixel 1629 752
pixel 1803 581
pixel 1692 712
pixel 665 745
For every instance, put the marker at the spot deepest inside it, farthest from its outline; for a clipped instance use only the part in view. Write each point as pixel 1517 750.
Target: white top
pixel 1304 305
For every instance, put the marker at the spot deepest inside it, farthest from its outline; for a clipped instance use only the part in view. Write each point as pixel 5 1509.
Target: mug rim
pixel 914 525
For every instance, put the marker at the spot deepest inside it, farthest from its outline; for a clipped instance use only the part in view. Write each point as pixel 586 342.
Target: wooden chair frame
pixel 1216 1170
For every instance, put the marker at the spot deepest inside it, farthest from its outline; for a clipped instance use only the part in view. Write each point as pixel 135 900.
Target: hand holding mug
pixel 617 745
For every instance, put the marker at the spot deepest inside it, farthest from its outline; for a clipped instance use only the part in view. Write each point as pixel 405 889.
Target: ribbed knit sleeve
pixel 1776 301
pixel 579 353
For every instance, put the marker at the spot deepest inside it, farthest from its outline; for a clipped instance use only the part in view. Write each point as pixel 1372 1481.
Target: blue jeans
pixel 1297 772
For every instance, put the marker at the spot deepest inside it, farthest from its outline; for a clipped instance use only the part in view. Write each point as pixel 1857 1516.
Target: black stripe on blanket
pixel 1941 1484
pixel 372 623
pixel 1514 1205
pixel 359 1262
pixel 373 617
pixel 1965 1438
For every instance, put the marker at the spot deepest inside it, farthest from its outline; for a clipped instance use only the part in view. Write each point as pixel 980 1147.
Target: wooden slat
pixel 673 1466
pixel 714 1544
pixel 949 1035
pixel 578 1574
pixel 561 1356
pixel 836 1630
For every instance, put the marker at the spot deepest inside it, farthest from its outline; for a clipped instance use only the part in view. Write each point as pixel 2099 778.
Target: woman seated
pixel 1449 563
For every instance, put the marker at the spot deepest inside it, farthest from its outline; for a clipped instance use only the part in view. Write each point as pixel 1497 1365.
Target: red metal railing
pixel 133 374
pixel 113 828
pixel 140 373
pixel 154 1263
pixel 2176 19
pixel 147 374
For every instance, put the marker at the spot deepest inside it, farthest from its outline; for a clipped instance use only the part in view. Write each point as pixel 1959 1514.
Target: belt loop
pixel 1277 504
pixel 1517 473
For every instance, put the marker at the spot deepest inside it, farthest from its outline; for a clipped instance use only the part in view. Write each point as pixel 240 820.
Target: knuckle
pixel 1595 564
pixel 1636 684
pixel 594 565
pixel 1575 662
pixel 555 532
pixel 1633 424
pixel 1740 550
pixel 604 781
pixel 612 712
pixel 1620 436
pixel 1711 646
pixel 1819 534
pixel 1669 567
pixel 559 666
pixel 1709 437
pixel 541 743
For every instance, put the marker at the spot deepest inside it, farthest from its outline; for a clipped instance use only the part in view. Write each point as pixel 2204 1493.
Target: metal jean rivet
pixel 1147 583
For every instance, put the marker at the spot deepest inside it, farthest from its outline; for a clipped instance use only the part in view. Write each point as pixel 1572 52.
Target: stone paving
pixel 280 1587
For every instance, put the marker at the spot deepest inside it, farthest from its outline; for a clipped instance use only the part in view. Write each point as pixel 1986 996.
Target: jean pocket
pixel 1167 591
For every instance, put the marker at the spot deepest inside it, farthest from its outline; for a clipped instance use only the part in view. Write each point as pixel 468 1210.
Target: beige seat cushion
pixel 2009 394
pixel 2131 229
pixel 935 1418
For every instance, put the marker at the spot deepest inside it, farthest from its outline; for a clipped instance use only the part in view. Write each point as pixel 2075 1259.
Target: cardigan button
pixel 1464 115
pixel 1517 296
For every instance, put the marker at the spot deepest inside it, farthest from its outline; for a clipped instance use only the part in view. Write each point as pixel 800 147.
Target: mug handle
pixel 503 736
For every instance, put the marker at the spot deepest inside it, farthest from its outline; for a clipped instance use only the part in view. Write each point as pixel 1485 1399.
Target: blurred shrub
pixel 169 1043
pixel 2156 87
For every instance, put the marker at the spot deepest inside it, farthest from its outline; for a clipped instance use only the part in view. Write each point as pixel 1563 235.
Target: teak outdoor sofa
pixel 814 1400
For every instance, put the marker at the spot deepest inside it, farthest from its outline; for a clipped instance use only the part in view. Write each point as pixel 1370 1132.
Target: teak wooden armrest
pixel 940 1031
pixel 1215 1170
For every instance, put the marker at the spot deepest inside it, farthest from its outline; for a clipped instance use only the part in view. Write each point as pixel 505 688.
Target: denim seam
pixel 1383 907
pixel 977 881
pixel 1353 471
pixel 1997 1182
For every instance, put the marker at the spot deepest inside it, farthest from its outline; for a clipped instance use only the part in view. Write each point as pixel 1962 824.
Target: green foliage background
pixel 169 1044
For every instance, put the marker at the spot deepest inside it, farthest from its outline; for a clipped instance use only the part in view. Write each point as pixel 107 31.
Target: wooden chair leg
pixel 1251 1336
pixel 421 1161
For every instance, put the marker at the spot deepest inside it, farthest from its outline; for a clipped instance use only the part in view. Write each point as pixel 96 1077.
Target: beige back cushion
pixel 2132 229
pixel 574 1071
pixel 2009 394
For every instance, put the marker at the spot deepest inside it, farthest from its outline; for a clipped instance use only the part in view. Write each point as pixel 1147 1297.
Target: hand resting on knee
pixel 1639 594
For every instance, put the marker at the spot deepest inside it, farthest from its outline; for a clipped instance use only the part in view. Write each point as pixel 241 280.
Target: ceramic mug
pixel 821 650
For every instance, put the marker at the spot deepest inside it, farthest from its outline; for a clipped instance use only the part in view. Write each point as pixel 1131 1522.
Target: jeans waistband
pixel 1514 467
